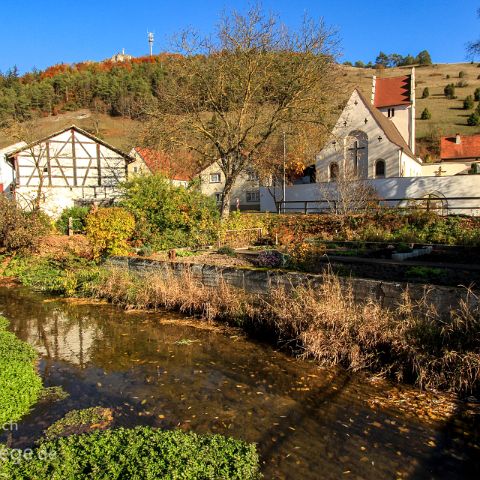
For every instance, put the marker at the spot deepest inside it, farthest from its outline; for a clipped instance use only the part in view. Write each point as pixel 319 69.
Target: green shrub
pixel 425 93
pixel 168 216
pixel 79 217
pixel 20 231
pixel 66 276
pixel 449 91
pixel 476 94
pixel 145 251
pixel 139 453
pixel 474 119
pixel 426 115
pixel 226 250
pixel 20 385
pixel 108 230
pixel 468 103
pixel 461 74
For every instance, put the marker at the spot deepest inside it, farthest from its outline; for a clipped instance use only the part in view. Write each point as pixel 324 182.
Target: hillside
pixel 448 116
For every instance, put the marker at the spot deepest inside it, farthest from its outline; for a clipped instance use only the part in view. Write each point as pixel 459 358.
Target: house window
pixel 380 169
pixel 391 112
pixel 252 176
pixel 253 196
pixel 215 177
pixel 218 197
pixel 334 171
pixel 135 169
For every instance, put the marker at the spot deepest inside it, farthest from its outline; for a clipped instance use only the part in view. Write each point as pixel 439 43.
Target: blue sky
pixel 39 33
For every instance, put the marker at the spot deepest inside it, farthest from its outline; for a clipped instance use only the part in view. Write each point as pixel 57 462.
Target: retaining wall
pixel 388 294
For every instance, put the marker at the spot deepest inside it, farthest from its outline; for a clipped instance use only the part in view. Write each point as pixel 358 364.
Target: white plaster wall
pixel 6 170
pixel 390 188
pixel 448 168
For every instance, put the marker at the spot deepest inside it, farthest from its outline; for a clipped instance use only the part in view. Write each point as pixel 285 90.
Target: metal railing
pixel 442 205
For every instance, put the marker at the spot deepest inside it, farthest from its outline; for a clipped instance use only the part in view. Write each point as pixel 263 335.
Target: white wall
pixel 401 119
pixel 389 188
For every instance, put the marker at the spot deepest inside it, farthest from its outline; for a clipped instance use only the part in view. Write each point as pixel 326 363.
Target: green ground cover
pixel 140 453
pixel 20 384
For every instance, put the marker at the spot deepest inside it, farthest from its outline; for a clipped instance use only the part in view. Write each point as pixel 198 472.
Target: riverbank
pixel 409 343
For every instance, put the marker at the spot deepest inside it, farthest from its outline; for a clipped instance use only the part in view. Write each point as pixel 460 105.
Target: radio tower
pixel 150 42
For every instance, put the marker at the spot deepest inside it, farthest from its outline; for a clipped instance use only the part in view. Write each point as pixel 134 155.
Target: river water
pixel 162 369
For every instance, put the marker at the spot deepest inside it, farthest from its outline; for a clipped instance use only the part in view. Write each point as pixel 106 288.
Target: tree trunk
pixel 225 208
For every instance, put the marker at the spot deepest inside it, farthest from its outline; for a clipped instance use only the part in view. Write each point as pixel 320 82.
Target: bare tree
pixel 227 98
pixel 473 48
pixel 347 193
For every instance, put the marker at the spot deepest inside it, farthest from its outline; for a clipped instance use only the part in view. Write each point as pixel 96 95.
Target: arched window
pixel 356 154
pixel 380 169
pixel 334 171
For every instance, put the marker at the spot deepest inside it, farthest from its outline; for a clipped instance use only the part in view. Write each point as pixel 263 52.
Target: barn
pixel 67 168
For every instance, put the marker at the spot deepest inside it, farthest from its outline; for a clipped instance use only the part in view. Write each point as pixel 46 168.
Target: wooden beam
pixel 48 164
pixel 99 166
pixel 74 158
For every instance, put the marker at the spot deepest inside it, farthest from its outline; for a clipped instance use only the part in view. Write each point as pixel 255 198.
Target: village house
pixel 245 192
pixel 67 168
pixel 148 161
pixel 459 155
pixel 376 138
pixel 6 170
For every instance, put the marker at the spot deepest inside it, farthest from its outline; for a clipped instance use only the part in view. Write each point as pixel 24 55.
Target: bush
pixel 142 452
pixel 426 115
pixel 468 103
pixel 271 259
pixel 79 216
pixel 474 119
pixel 461 74
pixel 20 231
pixel 425 93
pixel 449 91
pixel 20 385
pixel 476 94
pixel 145 251
pixel 108 230
pixel 168 216
pixel 226 250
pixel 462 84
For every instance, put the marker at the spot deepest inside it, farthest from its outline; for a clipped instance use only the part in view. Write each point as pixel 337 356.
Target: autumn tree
pixel 228 98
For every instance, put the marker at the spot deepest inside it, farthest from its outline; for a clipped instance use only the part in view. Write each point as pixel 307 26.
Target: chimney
pixel 458 139
pixel 374 82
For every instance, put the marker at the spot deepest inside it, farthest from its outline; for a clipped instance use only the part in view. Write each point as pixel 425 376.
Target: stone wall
pixel 388 294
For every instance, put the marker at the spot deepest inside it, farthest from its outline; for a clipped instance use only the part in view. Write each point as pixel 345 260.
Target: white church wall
pixel 446 168
pixel 391 188
pixel 379 146
pixel 409 167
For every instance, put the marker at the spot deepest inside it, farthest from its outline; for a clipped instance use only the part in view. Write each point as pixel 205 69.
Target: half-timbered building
pixel 67 168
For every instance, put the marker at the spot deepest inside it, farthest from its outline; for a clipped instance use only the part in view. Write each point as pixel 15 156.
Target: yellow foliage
pixel 108 230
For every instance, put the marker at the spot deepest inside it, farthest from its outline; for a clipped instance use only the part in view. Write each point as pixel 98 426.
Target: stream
pixel 171 371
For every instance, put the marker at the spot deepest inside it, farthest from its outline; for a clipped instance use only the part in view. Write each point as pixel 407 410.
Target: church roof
pixel 392 91
pixel 388 127
pixel 463 147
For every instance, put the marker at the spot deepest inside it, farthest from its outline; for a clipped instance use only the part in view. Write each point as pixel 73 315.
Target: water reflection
pixel 309 423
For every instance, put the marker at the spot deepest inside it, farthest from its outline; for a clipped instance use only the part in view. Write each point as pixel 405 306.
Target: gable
pixel 392 91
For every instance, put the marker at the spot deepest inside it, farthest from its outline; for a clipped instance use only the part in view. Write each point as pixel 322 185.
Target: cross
pixel 356 151
pixel 438 173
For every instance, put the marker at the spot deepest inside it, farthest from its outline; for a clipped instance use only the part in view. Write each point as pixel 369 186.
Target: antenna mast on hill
pixel 150 41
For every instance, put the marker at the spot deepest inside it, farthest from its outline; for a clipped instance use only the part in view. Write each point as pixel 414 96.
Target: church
pixel 374 138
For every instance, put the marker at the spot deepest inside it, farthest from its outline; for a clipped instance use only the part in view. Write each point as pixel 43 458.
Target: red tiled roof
pixel 389 128
pixel 160 162
pixel 392 91
pixel 469 147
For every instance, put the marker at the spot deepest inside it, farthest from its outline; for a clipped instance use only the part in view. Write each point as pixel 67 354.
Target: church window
pixel 380 169
pixel 334 171
pixel 391 112
pixel 356 154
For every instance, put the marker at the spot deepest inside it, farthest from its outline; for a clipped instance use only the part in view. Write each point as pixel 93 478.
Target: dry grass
pixel 411 343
